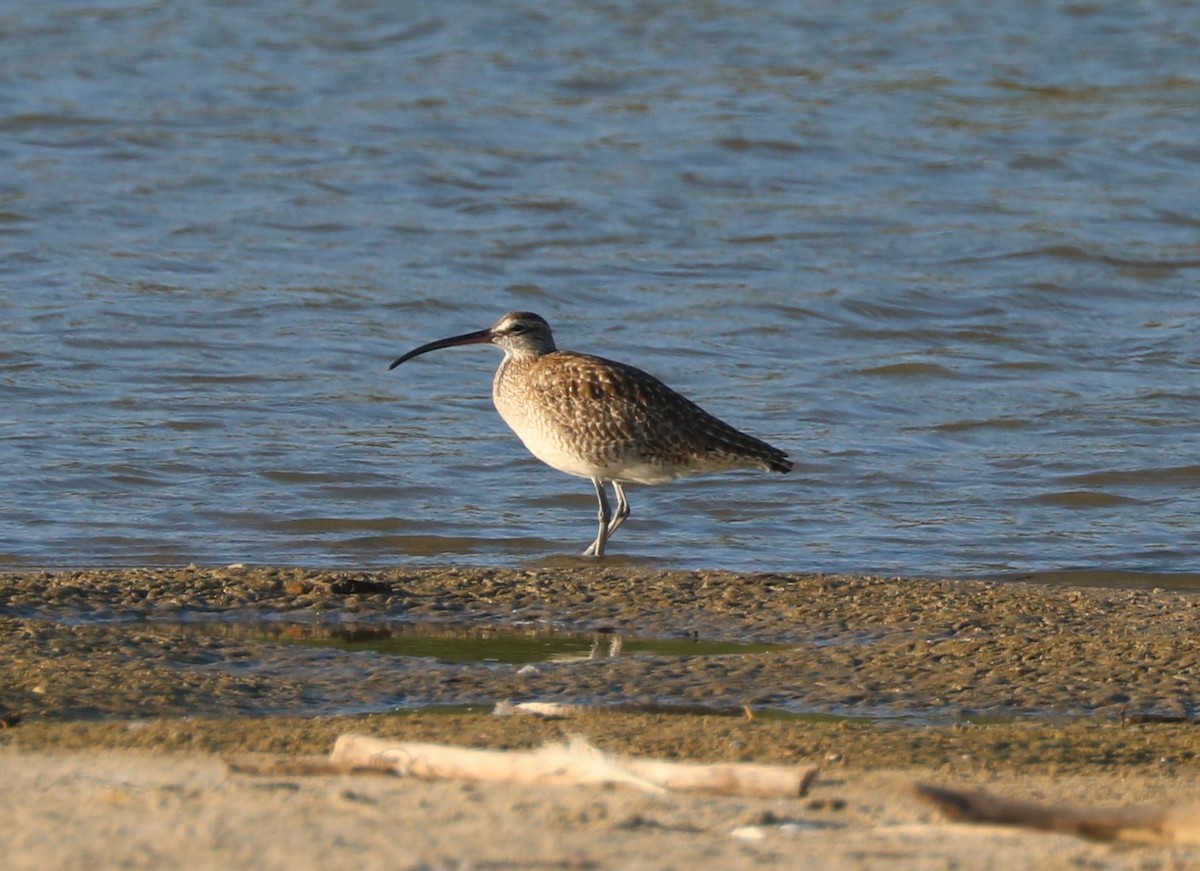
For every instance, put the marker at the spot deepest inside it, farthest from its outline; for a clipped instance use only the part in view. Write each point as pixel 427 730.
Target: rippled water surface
pixel 947 255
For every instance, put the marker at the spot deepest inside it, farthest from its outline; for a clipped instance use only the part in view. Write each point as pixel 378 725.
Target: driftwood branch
pixel 576 762
pixel 1170 824
pixel 562 710
pixel 545 710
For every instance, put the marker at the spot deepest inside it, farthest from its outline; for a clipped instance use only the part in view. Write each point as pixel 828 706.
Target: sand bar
pixel 122 716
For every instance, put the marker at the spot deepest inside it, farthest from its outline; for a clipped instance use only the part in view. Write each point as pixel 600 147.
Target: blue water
pixel 945 254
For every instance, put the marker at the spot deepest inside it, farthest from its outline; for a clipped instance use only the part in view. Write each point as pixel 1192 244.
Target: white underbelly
pixel 556 449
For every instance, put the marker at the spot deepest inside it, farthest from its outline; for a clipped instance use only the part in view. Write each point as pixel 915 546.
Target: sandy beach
pixel 125 709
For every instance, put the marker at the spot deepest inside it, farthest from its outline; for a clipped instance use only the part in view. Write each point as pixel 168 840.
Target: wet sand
pixel 124 700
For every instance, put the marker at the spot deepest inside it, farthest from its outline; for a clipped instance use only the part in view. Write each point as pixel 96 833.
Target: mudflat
pixel 125 690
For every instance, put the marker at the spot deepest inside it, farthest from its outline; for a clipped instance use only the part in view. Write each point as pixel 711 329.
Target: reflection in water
pixel 474 644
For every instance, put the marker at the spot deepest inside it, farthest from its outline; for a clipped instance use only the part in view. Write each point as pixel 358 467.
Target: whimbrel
pixel 602 420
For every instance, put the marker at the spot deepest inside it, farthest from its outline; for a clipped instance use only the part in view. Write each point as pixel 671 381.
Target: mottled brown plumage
pixel 619 422
pixel 604 420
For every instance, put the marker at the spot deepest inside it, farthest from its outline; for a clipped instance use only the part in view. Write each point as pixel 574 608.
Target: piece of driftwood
pixel 563 710
pixel 576 762
pixel 1167 824
pixel 545 710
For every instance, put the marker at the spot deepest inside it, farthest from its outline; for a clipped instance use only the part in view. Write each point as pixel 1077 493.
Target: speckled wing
pixel 627 419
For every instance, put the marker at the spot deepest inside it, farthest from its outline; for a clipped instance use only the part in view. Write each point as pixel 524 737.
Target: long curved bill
pixel 478 337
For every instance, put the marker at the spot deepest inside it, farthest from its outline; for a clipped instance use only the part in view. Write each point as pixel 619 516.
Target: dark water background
pixel 946 254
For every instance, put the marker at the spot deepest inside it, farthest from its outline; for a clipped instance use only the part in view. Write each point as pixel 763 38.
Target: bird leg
pixel 596 548
pixel 622 509
pixel 609 521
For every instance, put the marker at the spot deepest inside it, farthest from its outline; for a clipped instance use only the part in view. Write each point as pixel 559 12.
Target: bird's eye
pixel 517 328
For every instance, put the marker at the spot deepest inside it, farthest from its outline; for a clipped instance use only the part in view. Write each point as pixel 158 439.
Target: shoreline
pixel 120 707
pixel 175 642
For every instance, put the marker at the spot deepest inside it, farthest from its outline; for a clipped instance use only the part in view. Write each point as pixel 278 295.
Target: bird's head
pixel 519 334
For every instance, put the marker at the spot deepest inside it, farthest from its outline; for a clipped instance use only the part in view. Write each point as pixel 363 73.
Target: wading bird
pixel 602 420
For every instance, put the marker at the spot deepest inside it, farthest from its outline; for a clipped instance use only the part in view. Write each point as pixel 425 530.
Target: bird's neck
pixel 525 355
pixel 509 374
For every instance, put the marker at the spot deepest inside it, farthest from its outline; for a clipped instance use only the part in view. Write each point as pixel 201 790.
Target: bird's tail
pixel 777 462
pixel 755 451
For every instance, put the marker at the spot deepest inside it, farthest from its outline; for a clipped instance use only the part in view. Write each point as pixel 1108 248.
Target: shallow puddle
pixel 473 644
